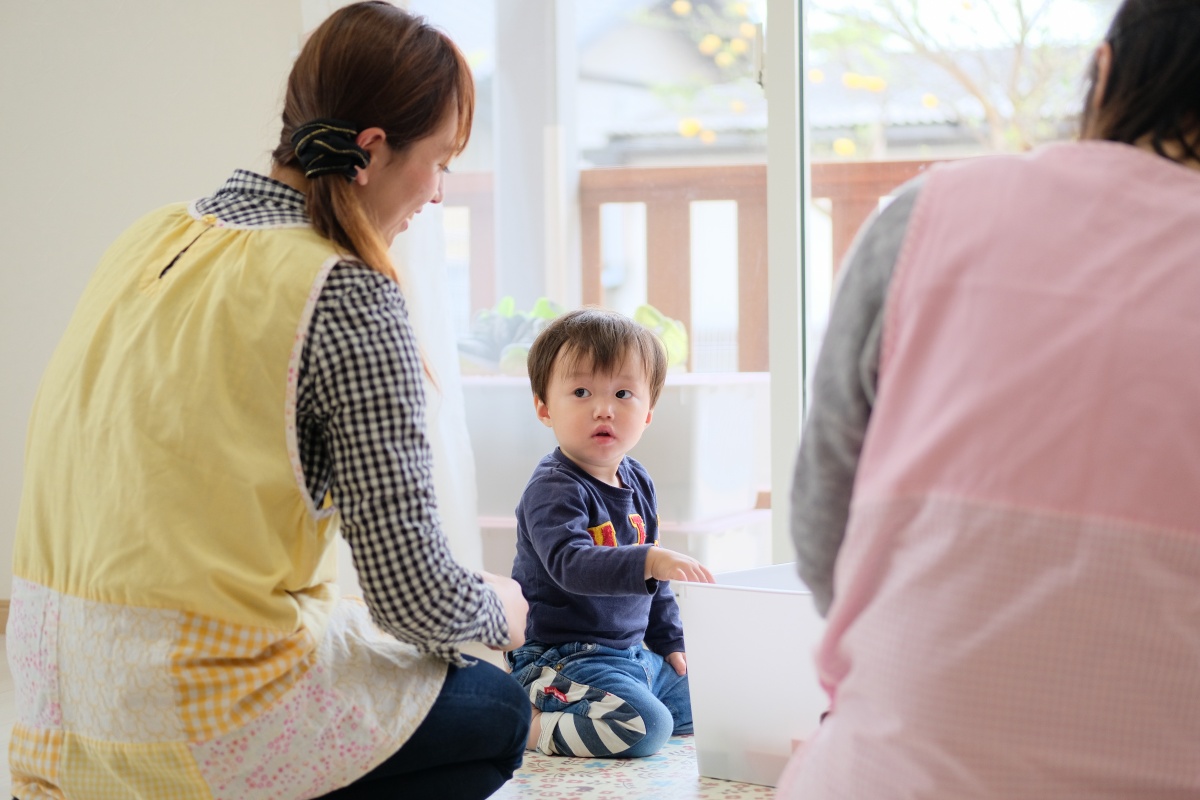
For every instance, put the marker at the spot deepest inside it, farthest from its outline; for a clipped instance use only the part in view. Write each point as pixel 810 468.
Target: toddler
pixel 604 661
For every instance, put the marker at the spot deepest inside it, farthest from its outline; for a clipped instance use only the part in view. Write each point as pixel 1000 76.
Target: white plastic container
pixel 751 637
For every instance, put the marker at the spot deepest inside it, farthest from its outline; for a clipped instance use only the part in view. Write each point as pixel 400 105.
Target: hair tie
pixel 326 146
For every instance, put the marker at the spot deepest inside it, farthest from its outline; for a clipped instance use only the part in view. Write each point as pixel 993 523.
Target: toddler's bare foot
pixel 535 730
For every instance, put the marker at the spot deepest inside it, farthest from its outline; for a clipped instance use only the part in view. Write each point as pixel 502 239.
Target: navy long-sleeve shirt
pixel 581 558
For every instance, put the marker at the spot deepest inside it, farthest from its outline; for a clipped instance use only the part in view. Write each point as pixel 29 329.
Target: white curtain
pixel 420 254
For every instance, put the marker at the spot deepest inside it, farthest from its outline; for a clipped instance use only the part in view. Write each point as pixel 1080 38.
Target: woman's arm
pixel 361 405
pixel 843 391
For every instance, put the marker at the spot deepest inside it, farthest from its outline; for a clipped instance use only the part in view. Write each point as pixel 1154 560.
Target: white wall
pixel 109 108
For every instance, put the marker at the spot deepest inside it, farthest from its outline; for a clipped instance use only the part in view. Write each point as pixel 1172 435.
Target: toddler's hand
pixel 678 661
pixel 667 565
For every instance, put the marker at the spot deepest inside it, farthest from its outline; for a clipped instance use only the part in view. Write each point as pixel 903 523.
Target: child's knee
pixel 659 725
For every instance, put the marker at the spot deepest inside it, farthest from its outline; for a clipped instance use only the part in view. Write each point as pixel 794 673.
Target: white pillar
pixel 786 190
pixel 536 155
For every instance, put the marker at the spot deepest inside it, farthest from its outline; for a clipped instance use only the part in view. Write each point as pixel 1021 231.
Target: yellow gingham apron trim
pixel 33 758
pixel 227 674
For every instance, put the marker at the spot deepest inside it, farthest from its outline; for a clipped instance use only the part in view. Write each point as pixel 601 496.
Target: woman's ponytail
pixel 369 64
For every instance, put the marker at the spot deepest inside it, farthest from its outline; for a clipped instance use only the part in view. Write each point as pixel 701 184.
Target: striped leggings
pixel 600 701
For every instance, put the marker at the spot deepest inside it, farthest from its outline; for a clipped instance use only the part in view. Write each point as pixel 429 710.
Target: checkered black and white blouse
pixel 360 418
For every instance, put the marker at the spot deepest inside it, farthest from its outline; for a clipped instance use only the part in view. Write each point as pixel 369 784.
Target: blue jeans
pixel 599 701
pixel 470 743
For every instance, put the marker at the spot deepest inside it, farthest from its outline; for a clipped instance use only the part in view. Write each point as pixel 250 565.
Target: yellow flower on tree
pixel 869 83
pixel 816 75
pixel 739 45
pixel 708 137
pixel 681 7
pixel 710 44
pixel 929 100
pixel 689 127
pixel 724 59
pixel 844 147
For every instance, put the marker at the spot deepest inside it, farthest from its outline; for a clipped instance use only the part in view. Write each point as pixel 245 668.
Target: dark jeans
pixel 466 748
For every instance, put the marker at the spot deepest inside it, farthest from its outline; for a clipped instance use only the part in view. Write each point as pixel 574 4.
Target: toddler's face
pixel 597 418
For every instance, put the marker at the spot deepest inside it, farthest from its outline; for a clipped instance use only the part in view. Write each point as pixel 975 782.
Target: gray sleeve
pixel 843 392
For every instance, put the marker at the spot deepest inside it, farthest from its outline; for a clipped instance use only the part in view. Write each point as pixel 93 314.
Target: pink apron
pixel 1017 610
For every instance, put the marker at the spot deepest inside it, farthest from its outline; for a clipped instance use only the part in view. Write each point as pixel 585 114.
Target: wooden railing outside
pixel 668 193
pixel 853 189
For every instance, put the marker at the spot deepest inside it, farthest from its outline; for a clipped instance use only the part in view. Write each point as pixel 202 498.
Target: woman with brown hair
pixel 239 381
pixel 995 496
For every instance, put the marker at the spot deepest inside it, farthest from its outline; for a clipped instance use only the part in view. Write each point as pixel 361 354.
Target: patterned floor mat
pixel 668 775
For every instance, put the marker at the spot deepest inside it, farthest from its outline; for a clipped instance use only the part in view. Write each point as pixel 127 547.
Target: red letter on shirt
pixel 636 519
pixel 604 535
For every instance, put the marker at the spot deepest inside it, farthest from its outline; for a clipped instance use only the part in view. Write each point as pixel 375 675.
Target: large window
pixel 630 154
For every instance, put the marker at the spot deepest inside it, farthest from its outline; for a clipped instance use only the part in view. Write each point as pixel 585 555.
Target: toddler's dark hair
pixel 603 338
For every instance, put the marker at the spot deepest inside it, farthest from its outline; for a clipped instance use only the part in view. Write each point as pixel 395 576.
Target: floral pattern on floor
pixel 668 775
